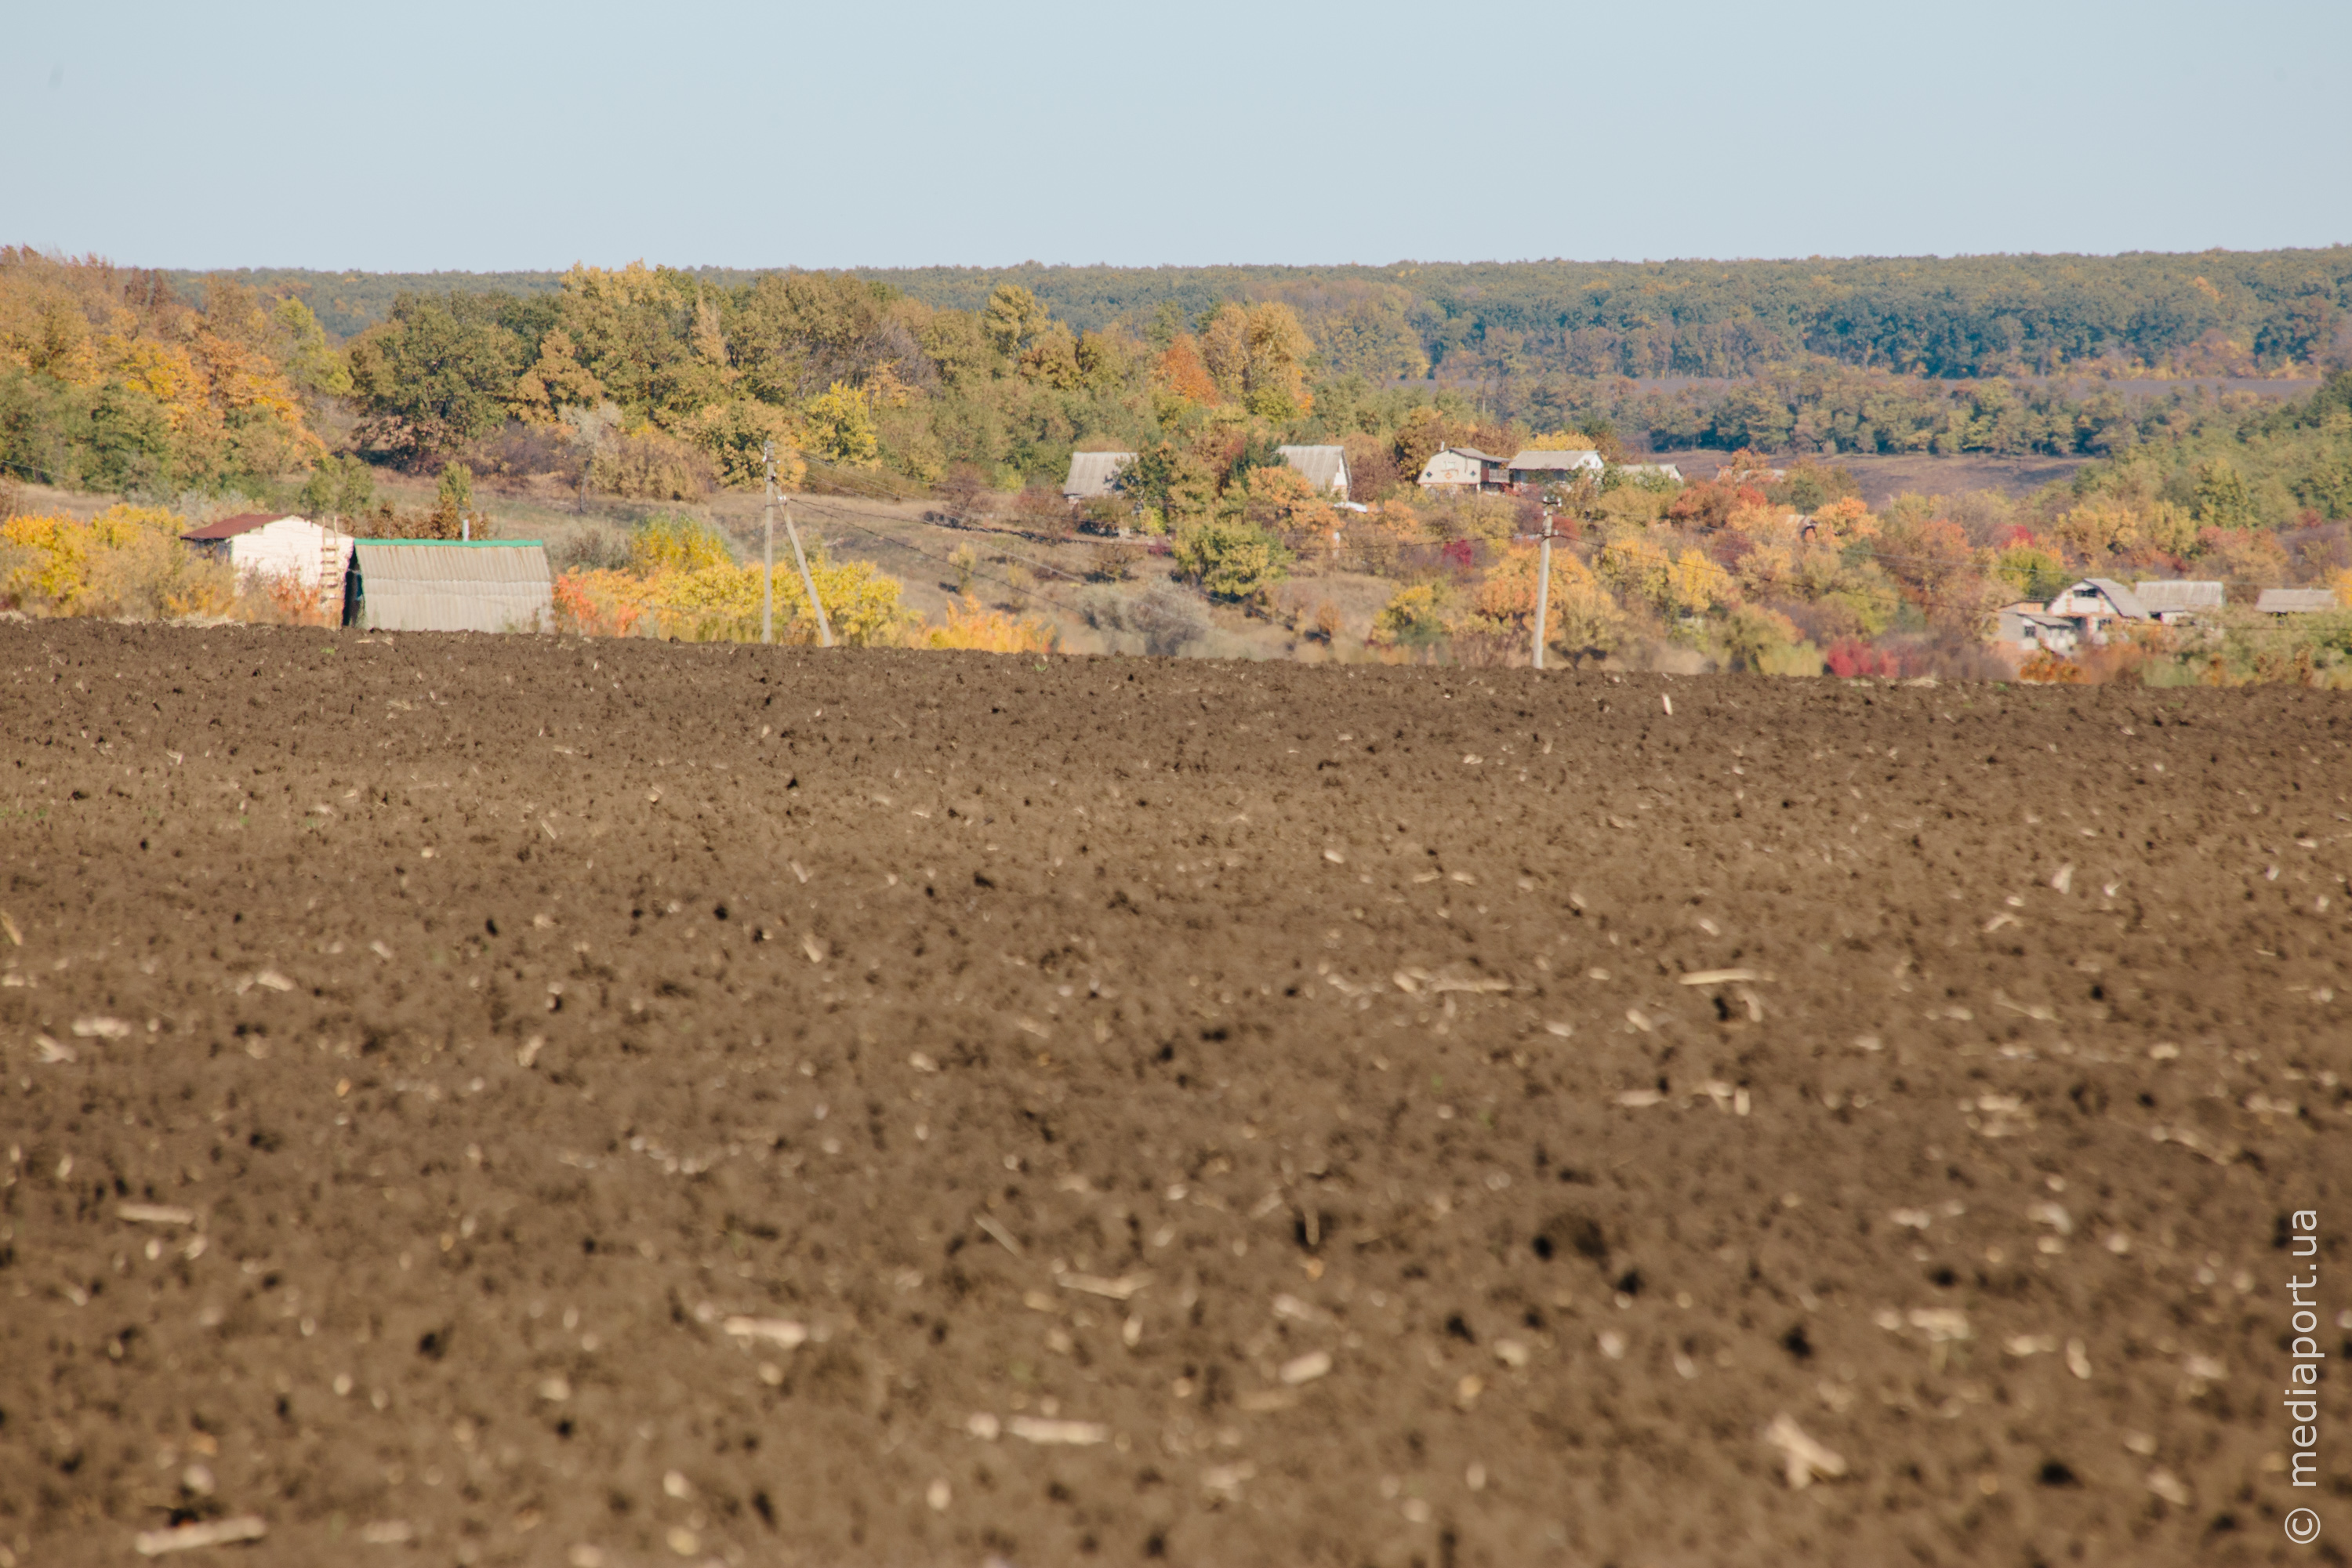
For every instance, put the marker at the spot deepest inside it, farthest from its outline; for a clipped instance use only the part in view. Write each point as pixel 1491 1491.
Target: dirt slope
pixel 527 1102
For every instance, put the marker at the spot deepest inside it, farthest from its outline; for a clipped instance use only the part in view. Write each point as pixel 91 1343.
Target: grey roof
pixel 2166 594
pixel 1092 474
pixel 1325 468
pixel 2295 601
pixel 2125 602
pixel 449 585
pixel 1539 459
pixel 1471 452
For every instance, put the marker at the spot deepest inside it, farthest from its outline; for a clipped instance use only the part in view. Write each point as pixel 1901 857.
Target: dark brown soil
pixel 509 1016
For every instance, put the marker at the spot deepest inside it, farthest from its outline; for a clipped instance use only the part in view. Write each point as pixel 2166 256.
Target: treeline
pixel 662 384
pixel 2219 312
pixel 110 381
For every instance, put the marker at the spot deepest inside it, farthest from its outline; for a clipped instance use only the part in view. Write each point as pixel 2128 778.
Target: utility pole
pixel 768 547
pixel 1543 588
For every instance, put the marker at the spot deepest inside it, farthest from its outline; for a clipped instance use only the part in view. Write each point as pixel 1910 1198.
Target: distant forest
pixel 2218 313
pixel 662 381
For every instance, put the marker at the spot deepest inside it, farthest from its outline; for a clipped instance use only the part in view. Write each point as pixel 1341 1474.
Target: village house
pixel 1464 468
pixel 1652 471
pixel 2295 601
pixel 1094 475
pixel 1545 466
pixel 277 545
pixel 2028 626
pixel 2096 605
pixel 1325 468
pixel 2174 604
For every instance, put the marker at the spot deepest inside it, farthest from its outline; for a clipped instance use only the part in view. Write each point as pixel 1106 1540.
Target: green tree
pixel 1170 481
pixel 437 375
pixel 456 491
pixel 306 356
pixel 1231 559
pixel 1013 319
pixel 2221 499
pixel 339 486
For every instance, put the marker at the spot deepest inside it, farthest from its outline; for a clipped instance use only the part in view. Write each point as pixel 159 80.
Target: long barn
pixel 449 585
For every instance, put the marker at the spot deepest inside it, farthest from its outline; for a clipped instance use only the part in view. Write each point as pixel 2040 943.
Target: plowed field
pixel 492 1100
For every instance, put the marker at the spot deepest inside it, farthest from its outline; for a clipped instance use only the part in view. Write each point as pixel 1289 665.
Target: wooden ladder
pixel 333 548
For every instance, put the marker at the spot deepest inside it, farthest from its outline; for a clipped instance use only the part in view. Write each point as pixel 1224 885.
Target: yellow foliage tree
pixel 841 427
pixel 1580 616
pixel 126 561
pixel 1845 519
pixel 1257 355
pixel 968 624
pixel 683 582
pixel 556 381
pixel 1687 584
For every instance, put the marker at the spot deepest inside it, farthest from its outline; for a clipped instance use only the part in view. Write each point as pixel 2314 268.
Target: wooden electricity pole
pixel 1543 588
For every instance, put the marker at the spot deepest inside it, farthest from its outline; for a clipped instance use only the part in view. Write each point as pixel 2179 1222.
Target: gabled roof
pixel 1542 460
pixel 2295 601
pixel 243 522
pixel 2167 593
pixel 1469 452
pixel 1325 468
pixel 2125 602
pixel 1093 474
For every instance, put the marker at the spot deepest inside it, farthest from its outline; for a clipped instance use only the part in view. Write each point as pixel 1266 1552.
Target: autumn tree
pixel 435 375
pixel 1013 319
pixel 1231 559
pixel 1180 372
pixel 1257 355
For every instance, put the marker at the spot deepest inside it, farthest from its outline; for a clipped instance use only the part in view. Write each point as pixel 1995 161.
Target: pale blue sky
pixel 427 135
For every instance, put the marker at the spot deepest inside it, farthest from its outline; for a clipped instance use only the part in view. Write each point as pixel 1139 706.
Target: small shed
pixel 1094 475
pixel 2173 602
pixel 1325 468
pixel 449 585
pixel 1541 466
pixel 278 544
pixel 1464 468
pixel 2296 600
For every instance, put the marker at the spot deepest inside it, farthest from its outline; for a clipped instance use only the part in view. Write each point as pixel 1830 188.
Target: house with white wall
pixel 1464 468
pixel 279 545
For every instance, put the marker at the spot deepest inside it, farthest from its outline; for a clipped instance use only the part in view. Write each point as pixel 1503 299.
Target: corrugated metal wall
pixel 448 585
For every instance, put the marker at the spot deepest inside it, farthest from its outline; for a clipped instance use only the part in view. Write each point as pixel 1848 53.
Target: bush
pixel 966 624
pixel 1114 562
pixel 963 495
pixel 1420 614
pixel 127 562
pixel 1040 509
pixel 1231 560
pixel 1167 619
pixel 646 465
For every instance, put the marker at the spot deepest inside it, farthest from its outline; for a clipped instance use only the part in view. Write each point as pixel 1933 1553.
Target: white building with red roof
pixel 279 545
